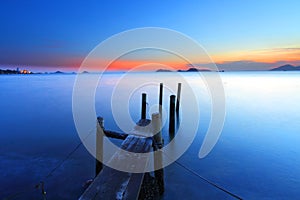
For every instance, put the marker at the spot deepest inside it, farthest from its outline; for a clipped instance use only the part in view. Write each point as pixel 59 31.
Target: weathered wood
pixel 116 135
pixel 172 115
pixel 158 144
pixel 156 128
pixel 136 180
pixel 99 144
pixel 114 184
pixel 142 128
pixel 178 98
pixel 161 91
pixel 144 104
pixel 143 122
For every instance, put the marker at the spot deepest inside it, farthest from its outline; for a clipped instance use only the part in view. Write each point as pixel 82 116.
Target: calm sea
pixel 256 157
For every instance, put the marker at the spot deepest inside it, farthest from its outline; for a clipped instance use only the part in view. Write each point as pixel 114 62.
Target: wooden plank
pixel 116 135
pixel 136 179
pixel 114 184
pixel 142 128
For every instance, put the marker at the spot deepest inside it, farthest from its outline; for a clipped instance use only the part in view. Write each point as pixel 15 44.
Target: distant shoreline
pixel 190 70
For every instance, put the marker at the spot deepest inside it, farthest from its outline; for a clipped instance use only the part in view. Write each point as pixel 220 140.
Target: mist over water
pixel 257 155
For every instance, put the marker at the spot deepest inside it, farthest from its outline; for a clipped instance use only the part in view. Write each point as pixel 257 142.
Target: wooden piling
pixel 99 144
pixel 158 144
pixel 178 98
pixel 144 104
pixel 161 90
pixel 172 115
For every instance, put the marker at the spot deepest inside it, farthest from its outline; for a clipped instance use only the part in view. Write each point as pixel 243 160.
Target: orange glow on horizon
pixel 289 55
pixel 265 56
pixel 129 65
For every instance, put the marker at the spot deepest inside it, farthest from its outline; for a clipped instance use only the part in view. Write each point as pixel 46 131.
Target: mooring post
pixel 99 144
pixel 161 90
pixel 158 144
pixel 144 104
pixel 172 115
pixel 178 98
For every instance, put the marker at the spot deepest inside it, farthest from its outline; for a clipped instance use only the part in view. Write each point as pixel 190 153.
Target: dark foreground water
pixel 256 157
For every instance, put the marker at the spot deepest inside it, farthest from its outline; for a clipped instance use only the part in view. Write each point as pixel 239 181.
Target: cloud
pixel 244 65
pixel 288 49
pixel 271 55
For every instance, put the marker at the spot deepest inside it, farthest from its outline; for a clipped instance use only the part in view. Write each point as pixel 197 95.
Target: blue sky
pixel 61 33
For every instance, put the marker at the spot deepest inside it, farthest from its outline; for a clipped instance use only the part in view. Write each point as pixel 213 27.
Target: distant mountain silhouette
pixel 164 70
pixel 8 71
pixel 286 68
pixel 193 69
pixel 58 72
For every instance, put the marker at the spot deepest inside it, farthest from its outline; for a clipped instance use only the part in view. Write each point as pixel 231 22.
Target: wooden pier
pixel 113 184
pixel 146 136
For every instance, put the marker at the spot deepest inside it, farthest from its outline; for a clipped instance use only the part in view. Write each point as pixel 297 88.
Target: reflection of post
pixel 144 102
pixel 158 144
pixel 178 98
pixel 99 144
pixel 161 90
pixel 172 115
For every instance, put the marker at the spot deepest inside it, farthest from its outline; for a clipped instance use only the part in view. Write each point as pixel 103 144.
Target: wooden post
pixel 178 98
pixel 172 115
pixel 99 144
pixel 161 90
pixel 144 103
pixel 158 144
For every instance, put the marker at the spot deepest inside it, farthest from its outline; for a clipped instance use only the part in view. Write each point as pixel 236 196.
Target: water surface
pixel 256 157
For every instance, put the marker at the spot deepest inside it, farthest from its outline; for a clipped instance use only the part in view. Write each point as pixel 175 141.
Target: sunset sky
pixel 238 35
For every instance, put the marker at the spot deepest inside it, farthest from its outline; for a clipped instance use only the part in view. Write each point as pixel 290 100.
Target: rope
pixel 206 180
pixel 40 185
pixel 62 161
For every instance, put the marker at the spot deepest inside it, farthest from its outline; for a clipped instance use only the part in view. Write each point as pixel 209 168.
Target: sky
pixel 237 35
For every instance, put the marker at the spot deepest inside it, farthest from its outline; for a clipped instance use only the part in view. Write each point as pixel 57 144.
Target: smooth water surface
pixel 256 157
